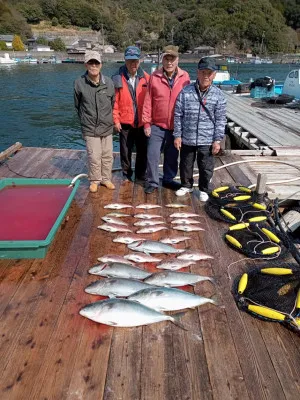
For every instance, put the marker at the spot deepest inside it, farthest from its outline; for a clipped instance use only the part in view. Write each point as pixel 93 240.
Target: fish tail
pixel 175 318
pixel 215 299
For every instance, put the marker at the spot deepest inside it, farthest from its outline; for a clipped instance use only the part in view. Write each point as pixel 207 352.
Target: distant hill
pixel 259 26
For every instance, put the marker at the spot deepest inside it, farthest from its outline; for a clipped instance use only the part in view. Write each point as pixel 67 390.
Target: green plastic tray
pixel 34 248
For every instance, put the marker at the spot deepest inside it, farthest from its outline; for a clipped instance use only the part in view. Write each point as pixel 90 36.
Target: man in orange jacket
pixel 130 87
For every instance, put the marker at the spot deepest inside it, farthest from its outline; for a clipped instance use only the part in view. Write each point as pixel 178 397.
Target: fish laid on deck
pixel 183 215
pixel 175 264
pixel 147 216
pixel 176 205
pixel 149 222
pixel 141 258
pixel 116 287
pixel 117 215
pixel 188 228
pixel 128 238
pixel 152 229
pixel 152 246
pixel 121 270
pixel 117 206
pixel 175 240
pixel 114 258
pixel 114 228
pixel 194 255
pixel 113 220
pixel 169 299
pixel 175 279
pixel 125 313
pixel 185 221
pixel 148 206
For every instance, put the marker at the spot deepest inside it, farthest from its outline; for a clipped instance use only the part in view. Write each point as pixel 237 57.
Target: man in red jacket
pixel 130 86
pixel 158 117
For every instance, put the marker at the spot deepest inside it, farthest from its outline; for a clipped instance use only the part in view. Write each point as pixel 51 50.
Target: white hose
pixel 77 177
pixel 249 161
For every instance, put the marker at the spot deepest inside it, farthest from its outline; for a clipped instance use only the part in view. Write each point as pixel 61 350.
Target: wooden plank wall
pixel 48 351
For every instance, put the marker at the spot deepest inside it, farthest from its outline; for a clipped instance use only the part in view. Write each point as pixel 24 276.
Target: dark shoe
pixel 140 182
pixel 150 189
pixel 126 178
pixel 172 185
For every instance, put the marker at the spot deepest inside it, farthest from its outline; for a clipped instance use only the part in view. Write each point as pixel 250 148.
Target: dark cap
pixel 170 50
pixel 207 63
pixel 132 53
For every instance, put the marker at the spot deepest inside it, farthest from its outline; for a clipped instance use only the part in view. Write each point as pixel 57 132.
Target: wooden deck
pixel 48 351
pixel 257 127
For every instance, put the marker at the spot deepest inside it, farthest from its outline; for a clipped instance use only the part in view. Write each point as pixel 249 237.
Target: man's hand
pixel 118 127
pixel 147 131
pixel 216 146
pixel 177 143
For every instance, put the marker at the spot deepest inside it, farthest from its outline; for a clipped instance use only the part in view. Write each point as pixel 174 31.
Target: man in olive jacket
pixel 94 97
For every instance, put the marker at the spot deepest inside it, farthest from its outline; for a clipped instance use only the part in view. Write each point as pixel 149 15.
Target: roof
pixel 7 38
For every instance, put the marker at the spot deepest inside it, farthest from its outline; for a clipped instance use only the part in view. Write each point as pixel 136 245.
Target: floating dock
pixel 49 351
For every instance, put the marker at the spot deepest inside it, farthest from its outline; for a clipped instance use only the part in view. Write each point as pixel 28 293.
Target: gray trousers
pixel 100 158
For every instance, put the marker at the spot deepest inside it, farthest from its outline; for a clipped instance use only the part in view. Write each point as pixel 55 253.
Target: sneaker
pixel 150 189
pixel 108 185
pixel 93 187
pixel 183 191
pixel 203 196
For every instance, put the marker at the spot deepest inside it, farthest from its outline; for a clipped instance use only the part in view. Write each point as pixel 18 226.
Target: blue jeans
pixel 161 140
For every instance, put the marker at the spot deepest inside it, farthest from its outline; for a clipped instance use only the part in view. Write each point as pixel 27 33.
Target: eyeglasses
pixel 91 62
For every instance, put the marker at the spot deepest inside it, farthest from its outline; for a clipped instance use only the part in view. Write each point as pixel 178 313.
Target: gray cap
pixel 92 55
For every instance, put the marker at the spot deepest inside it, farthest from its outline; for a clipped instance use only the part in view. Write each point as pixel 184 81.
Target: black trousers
pixel 205 162
pixel 129 137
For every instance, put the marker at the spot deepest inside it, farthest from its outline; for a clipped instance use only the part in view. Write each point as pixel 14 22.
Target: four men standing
pixel 142 109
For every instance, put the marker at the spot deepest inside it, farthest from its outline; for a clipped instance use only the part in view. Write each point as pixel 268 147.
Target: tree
pixel 57 44
pixel 17 43
pixel 3 45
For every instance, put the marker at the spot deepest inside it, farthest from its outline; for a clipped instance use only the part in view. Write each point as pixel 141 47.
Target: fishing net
pixel 271 292
pixel 257 240
pixel 228 194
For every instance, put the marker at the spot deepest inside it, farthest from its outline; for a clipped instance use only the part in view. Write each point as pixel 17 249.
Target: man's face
pixel 93 67
pixel 205 78
pixel 132 66
pixel 170 63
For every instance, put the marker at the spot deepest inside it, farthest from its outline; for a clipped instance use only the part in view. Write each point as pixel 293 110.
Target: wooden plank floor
pixel 48 351
pixel 273 127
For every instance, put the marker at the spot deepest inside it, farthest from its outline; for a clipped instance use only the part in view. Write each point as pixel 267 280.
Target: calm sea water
pixel 36 101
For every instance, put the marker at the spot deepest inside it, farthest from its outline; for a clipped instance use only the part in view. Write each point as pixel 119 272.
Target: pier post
pixel 261 187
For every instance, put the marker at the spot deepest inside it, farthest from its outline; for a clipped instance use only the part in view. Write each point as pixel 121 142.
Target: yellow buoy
pixel 266 312
pixel 298 299
pixel 233 241
pixel 271 235
pixel 243 283
pixel 276 271
pixel 270 250
pixel 221 189
pixel 245 189
pixel 241 198
pixel 257 219
pixel 259 206
pixel 237 227
pixel 227 214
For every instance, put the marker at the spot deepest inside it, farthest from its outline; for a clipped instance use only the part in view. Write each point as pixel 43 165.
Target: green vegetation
pixel 17 43
pixel 238 25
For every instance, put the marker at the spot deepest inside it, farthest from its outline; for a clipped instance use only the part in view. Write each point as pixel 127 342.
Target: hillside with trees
pixel 268 26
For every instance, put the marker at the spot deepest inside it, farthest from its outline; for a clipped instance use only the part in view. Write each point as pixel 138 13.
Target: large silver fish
pixel 114 228
pixel 194 255
pixel 147 216
pixel 175 279
pixel 169 299
pixel 116 287
pixel 112 220
pixel 121 270
pixel 128 238
pixel 148 206
pixel 183 215
pixel 125 313
pixel 114 258
pixel 141 258
pixel 149 222
pixel 185 221
pixel 152 246
pixel 117 206
pixel 152 229
pixel 188 228
pixel 175 264
pixel 174 240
